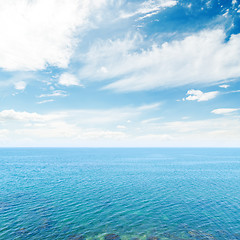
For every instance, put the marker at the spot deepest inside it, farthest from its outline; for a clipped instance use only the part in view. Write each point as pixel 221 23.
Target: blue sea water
pixel 145 194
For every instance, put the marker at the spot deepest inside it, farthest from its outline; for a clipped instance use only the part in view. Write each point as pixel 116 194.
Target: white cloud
pixel 104 70
pixel 19 80
pixel 66 133
pixel 20 85
pixel 149 106
pixel 83 117
pixel 90 128
pixel 224 110
pixel 106 118
pixel 24 116
pixel 98 134
pixel 45 101
pixel 60 126
pixel 224 86
pixel 56 93
pixel 100 61
pixel 226 13
pixel 201 133
pixel 203 57
pixel 4 132
pixel 72 124
pixel 38 33
pixel 56 129
pixel 155 137
pixel 149 8
pixel 150 120
pixel 67 79
pixel 197 95
pixel 121 127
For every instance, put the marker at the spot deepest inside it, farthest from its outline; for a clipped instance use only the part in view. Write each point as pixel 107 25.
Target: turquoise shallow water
pixel 144 194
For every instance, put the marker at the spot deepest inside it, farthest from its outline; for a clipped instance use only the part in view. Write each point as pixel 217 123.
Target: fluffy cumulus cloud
pixel 21 85
pixel 38 33
pixel 197 95
pixel 67 79
pixel 224 86
pixel 204 57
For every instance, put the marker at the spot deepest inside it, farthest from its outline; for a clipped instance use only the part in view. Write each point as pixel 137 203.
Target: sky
pixel 120 73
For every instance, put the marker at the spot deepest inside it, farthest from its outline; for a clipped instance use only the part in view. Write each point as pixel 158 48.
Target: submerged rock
pixel 46 224
pixel 152 238
pixel 200 235
pixel 183 226
pixel 112 236
pixel 135 238
pixel 22 231
pixel 237 236
pixel 76 237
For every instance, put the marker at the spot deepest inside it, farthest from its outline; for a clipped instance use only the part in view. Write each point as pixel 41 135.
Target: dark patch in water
pixel 76 237
pixel 22 232
pixel 227 235
pixel 237 236
pixel 135 238
pixel 152 238
pixel 4 206
pixel 46 224
pixel 200 235
pixel 183 226
pixel 112 236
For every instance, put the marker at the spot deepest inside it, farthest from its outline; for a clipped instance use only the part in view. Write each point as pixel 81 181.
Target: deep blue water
pixel 134 193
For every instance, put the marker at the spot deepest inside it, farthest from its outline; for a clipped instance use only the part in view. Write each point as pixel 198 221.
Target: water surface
pixel 52 193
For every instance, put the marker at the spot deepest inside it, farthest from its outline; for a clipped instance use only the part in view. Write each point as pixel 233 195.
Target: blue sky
pixel 85 73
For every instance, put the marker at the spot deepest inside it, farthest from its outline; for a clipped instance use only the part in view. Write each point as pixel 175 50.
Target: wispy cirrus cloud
pixel 150 106
pixel 224 110
pixel 46 101
pixel 203 57
pixel 56 93
pixel 149 8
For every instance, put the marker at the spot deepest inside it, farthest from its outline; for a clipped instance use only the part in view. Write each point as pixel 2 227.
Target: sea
pixel 119 193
